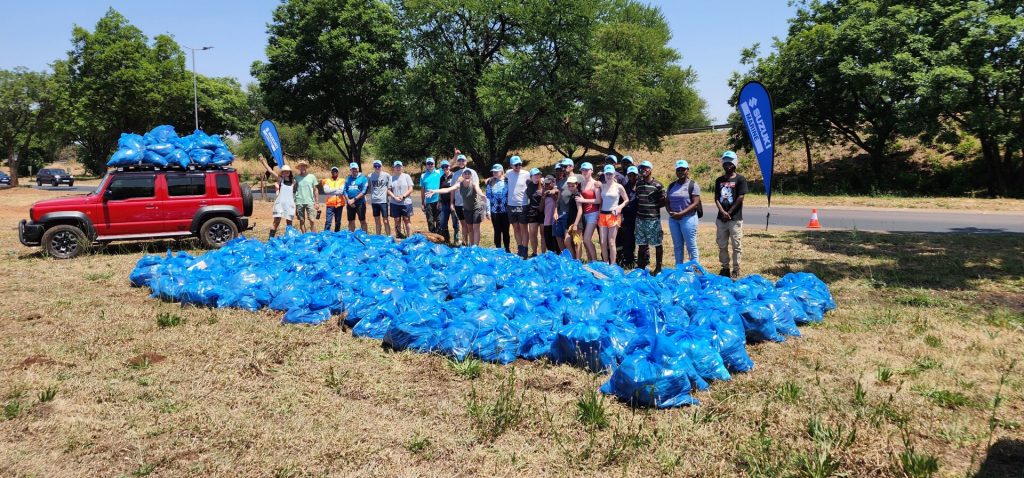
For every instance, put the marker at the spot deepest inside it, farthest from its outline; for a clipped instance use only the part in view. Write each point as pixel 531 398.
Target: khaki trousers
pixel 726 232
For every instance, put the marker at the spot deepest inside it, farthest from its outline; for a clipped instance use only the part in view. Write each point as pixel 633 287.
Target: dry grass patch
pixel 865 393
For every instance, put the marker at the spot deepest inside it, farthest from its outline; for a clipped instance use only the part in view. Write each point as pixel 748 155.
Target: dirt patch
pixel 1009 300
pixel 144 359
pixel 30 317
pixel 37 360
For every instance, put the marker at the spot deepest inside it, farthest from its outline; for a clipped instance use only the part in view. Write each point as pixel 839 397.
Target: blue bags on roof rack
pixel 162 147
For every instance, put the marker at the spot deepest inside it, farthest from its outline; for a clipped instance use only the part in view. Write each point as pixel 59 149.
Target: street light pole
pixel 195 88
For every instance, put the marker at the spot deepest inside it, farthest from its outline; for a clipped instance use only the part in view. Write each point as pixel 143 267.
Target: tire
pixel 39 183
pixel 71 184
pixel 64 242
pixel 54 183
pixel 246 200
pixel 216 232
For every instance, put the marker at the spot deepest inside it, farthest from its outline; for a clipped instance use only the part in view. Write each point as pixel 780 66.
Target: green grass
pixel 469 368
pixel 167 319
pixel 48 395
pixel 492 418
pixel 418 443
pixel 946 398
pixel 883 374
pixel 591 410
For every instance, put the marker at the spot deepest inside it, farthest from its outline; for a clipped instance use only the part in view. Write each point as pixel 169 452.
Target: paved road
pixel 864 219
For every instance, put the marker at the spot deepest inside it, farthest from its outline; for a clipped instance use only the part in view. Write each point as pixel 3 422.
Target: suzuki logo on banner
pixel 752 116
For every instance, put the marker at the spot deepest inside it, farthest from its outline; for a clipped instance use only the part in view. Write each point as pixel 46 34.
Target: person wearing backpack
pixel 684 210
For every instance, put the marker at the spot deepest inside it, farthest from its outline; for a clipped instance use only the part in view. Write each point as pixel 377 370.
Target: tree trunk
pixel 13 161
pixel 810 162
pixel 990 154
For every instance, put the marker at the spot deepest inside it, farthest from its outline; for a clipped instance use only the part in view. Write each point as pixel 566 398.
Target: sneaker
pixel 724 272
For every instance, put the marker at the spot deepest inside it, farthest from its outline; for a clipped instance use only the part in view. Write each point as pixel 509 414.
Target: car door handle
pixel 150 206
pixel 203 203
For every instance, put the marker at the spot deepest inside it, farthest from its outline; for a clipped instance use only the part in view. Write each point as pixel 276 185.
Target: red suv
pixel 142 204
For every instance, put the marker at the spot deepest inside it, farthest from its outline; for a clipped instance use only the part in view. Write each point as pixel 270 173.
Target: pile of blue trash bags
pixel 659 337
pixel 162 147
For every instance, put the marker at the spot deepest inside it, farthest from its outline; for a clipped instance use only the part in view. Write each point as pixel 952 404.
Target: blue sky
pixel 709 34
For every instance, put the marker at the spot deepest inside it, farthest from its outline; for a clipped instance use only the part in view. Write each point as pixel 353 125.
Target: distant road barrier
pixel 712 128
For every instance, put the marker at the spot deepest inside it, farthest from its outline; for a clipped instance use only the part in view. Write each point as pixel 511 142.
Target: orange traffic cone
pixel 814 224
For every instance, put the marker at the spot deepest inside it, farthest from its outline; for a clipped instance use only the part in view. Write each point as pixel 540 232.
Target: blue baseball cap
pixel 376 162
pixel 534 171
pixel 646 164
pixel 586 166
pixel 609 169
pixel 611 158
pixel 632 169
pixel 682 164
pixel 461 157
pixel 729 157
pixel 515 160
pixel 429 160
pixel 497 167
pixel 444 162
pixel 396 164
pixel 353 166
pixel 627 159
pixel 567 162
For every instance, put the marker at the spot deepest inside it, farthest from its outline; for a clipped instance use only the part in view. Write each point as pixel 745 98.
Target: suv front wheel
pixel 216 232
pixel 64 241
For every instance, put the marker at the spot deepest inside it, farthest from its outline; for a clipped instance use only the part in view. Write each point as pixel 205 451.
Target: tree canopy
pixel 332 65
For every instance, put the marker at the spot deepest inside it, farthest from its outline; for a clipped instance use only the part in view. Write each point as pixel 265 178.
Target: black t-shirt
pixel 649 195
pixel 533 196
pixel 631 207
pixel 726 192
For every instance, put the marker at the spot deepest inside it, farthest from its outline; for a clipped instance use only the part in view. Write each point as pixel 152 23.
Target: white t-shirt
pixel 517 183
pixel 400 185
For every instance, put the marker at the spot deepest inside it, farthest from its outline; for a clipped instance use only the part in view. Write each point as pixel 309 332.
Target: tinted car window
pixel 132 187
pixel 223 184
pixel 58 171
pixel 186 185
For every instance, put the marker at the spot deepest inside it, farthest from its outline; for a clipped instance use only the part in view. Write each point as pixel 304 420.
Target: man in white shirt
pixel 518 179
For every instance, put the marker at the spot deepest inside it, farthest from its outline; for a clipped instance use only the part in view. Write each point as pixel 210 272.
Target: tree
pixel 332 65
pixel 224 107
pixel 976 83
pixel 25 106
pixel 115 82
pixel 488 74
pixel 853 66
pixel 635 93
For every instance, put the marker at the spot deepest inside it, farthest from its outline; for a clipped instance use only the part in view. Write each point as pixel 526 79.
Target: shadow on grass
pixel 1004 459
pixel 944 261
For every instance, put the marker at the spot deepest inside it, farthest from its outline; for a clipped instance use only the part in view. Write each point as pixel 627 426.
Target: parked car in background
pixel 5 180
pixel 211 205
pixel 54 177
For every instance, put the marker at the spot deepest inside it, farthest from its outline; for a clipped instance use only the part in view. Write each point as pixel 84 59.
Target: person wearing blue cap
pixel 474 203
pixel 625 241
pixel 613 161
pixel 431 179
pixel 650 196
pixel 684 211
pixel 380 180
pixel 613 200
pixel 496 192
pixel 447 210
pixel 534 213
pixel 400 207
pixel 517 180
pixel 730 188
pixel 458 199
pixel 355 197
pixel 334 190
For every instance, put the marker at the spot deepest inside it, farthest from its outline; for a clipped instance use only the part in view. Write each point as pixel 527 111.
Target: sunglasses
pixel 376 166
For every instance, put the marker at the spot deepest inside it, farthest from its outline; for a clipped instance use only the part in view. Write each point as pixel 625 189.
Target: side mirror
pixel 108 195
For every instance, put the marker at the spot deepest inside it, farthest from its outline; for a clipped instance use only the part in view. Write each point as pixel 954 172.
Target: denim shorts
pixel 560 226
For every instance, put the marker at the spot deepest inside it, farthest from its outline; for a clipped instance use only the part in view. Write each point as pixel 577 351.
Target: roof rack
pixel 169 167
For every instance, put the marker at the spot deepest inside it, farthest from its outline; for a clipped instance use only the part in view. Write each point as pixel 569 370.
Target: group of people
pixel 541 212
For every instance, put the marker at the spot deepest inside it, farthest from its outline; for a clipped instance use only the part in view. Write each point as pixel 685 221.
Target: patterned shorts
pixel 648 232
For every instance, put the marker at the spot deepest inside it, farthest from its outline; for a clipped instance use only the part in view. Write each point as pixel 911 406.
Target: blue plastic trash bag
pixel 759 322
pixel 151 157
pixel 580 343
pixel 306 316
pixel 648 376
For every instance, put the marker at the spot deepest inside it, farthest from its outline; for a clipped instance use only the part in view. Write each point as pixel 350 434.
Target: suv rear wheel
pixel 246 200
pixel 216 232
pixel 64 241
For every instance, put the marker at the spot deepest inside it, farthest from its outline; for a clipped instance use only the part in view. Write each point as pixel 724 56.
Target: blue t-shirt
pixel 356 186
pixel 431 180
pixel 497 196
